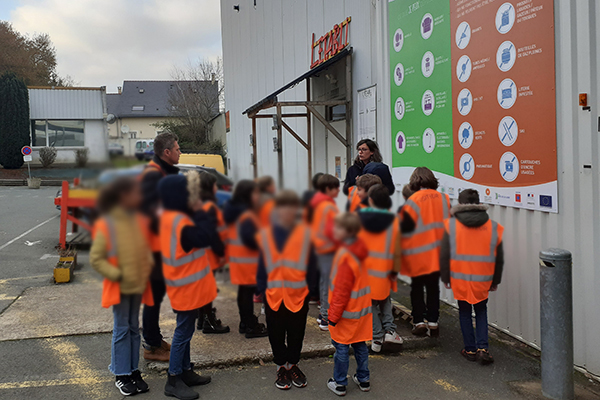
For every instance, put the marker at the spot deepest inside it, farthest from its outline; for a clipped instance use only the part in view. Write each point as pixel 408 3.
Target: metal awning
pixel 271 99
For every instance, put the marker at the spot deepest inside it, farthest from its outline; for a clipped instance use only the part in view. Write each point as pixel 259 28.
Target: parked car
pixel 141 146
pixel 223 181
pixel 115 149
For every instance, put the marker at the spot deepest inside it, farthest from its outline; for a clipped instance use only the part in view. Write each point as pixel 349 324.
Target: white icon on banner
pixel 400 142
pixel 466 166
pixel 465 135
pixel 399 74
pixel 428 102
pixel 463 35
pixel 506 56
pixel 509 166
pixel 463 68
pixel 505 18
pixel 429 140
pixel 507 93
pixel 399 108
pixel 465 102
pixel 508 131
pixel 398 40
pixel 426 26
pixel 427 64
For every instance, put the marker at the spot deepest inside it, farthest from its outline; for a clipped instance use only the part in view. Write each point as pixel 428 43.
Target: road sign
pixel 26 151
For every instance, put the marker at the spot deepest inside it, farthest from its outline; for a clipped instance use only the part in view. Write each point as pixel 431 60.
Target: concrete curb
pixel 23 182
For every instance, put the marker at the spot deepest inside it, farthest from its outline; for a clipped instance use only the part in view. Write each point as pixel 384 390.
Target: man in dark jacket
pixel 166 155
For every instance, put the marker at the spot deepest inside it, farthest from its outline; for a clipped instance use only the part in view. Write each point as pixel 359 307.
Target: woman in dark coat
pixel 368 155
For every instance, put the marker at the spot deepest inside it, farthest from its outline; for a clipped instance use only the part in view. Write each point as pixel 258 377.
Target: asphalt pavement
pixel 75 366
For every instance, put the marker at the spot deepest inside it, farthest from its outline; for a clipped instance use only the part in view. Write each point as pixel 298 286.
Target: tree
pixel 14 120
pixel 195 103
pixel 31 58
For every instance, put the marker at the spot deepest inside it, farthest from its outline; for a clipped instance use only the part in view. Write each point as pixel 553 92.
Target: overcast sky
pixel 103 42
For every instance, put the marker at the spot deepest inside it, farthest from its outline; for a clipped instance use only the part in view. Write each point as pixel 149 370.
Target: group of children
pixel 285 251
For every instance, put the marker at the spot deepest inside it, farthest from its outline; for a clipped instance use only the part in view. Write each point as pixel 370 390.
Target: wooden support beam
pixel 327 124
pixel 311 103
pixel 349 110
pixel 282 115
pixel 254 155
pixel 294 134
pixel 279 147
pixel 309 136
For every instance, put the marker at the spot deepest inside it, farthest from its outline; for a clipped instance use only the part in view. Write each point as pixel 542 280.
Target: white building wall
pixel 266 47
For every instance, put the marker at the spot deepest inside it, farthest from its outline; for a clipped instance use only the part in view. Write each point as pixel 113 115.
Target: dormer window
pixel 137 108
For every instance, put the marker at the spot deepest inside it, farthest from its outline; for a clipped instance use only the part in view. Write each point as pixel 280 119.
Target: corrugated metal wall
pixel 66 104
pixel 265 48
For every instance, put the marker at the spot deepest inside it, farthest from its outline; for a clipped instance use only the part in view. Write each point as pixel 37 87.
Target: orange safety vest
pixel 213 260
pixel 322 213
pixel 188 277
pixel 286 270
pixel 472 258
pixel 243 262
pixel 421 248
pixel 380 261
pixel 154 238
pixel 111 291
pixel 265 215
pixel 354 200
pixel 356 324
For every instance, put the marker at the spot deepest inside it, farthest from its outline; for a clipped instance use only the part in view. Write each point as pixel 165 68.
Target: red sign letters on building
pixel 330 43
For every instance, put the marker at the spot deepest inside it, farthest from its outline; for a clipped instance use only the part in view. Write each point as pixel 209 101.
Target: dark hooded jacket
pixel 248 230
pixel 473 216
pixel 174 196
pixel 383 172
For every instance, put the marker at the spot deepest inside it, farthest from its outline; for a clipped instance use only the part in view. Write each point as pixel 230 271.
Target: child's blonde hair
pixel 350 222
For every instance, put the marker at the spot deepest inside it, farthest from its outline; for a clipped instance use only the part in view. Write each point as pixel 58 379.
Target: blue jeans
pixel 341 362
pixel 324 261
pixel 477 339
pixel 383 318
pixel 180 345
pixel 125 349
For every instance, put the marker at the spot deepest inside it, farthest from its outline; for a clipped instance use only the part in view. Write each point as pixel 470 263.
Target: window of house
pixel 137 108
pixel 56 133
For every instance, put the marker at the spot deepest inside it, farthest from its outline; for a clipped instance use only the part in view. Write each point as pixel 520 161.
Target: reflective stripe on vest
pixel 378 274
pixel 286 284
pixel 357 314
pixel 355 293
pixel 178 262
pixel 386 255
pixel 299 266
pixel 421 249
pixel 238 242
pixel 491 258
pixel 189 279
pixel 421 227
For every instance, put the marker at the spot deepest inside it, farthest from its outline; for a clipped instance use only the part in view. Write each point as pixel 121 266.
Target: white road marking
pixel 46 256
pixel 28 232
pixel 28 243
pixel 5 297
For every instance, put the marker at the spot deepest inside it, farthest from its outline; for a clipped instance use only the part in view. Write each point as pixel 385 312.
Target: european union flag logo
pixel 545 201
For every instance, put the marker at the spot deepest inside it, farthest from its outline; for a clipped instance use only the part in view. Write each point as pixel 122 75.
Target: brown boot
pixel 157 354
pixel 165 346
pixel 420 329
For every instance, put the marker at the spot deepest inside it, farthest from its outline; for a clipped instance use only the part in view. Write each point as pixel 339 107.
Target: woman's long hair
pixel 372 145
pixel 242 194
pixel 207 185
pixel 111 195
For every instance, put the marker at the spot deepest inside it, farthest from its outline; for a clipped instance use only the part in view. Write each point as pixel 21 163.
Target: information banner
pixel 473 97
pixel 367 114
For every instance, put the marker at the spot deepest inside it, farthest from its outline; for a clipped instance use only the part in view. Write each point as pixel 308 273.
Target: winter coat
pixel 472 216
pixel 383 172
pixel 353 172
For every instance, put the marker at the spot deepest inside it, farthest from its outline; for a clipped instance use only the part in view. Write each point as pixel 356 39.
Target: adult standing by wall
pixel 368 156
pixel 166 155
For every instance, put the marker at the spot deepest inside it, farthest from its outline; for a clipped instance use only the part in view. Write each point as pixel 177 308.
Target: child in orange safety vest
pixel 240 214
pixel 380 231
pixel 471 263
pixel 422 225
pixel 350 318
pixel 121 253
pixel 186 233
pixel 286 269
pixel 357 196
pixel 322 212
pixel 266 201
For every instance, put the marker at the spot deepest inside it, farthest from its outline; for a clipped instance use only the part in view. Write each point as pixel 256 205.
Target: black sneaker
pixel 126 385
pixel 136 378
pixel 469 355
pixel 242 328
pixel 283 381
pixel 297 376
pixel 340 390
pixel 260 330
pixel 213 325
pixel 363 386
pixel 484 357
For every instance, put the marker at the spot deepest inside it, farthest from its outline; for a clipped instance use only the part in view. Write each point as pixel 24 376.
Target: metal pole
pixel 309 135
pixel 254 150
pixel 279 147
pixel 556 313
